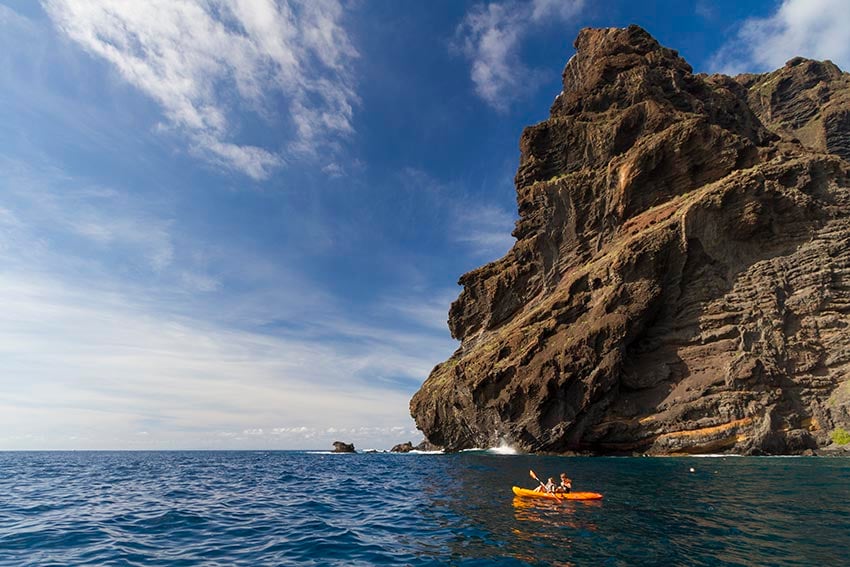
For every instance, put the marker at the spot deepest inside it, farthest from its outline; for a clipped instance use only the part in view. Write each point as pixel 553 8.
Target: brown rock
pixel 681 277
pixel 340 447
pixel 806 100
pixel 426 445
pixel 402 448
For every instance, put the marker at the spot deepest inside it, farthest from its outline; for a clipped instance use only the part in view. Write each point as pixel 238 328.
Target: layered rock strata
pixel 680 281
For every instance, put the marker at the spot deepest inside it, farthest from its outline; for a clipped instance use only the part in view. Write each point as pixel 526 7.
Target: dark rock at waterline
pixel 426 445
pixel 402 448
pixel 340 447
pixel 407 447
pixel 680 281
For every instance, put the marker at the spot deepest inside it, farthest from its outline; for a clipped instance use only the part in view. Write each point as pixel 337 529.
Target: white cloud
pixel 291 430
pixel 483 228
pixel 490 37
pixel 199 58
pixel 486 229
pixel 333 170
pixel 8 17
pixel 43 208
pixel 104 366
pixel 429 312
pixel 558 9
pixel 705 10
pixel 817 29
pixel 100 340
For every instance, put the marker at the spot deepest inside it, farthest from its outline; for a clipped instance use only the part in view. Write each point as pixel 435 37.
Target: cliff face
pixel 681 276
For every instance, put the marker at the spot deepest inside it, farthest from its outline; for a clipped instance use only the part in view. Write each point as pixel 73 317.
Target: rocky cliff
pixel 680 281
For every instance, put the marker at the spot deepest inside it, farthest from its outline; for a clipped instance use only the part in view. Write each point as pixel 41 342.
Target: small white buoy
pixel 692 469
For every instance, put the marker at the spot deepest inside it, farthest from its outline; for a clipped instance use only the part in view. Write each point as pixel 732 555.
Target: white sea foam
pixel 503 449
pixel 713 456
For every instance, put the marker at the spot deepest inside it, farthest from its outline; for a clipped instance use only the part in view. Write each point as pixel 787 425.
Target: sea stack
pixel 680 281
pixel 342 447
pixel 402 448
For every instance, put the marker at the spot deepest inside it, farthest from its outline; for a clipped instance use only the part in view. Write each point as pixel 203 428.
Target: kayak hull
pixel 526 493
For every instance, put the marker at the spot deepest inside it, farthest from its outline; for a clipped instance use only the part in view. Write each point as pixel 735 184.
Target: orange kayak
pixel 526 493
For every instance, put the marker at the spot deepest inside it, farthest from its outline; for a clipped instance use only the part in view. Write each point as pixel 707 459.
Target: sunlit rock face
pixel 680 281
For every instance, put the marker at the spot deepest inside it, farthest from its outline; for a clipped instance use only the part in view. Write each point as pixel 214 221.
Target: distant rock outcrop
pixel 340 447
pixel 681 277
pixel 402 448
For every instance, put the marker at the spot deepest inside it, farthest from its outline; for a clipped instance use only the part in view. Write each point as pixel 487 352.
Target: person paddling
pixel 566 484
pixel 548 487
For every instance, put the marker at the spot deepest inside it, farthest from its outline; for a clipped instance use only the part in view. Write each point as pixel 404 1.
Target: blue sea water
pixel 300 508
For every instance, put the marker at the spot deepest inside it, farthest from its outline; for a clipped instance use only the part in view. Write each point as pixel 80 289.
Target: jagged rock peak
pixel 618 58
pixel 807 101
pixel 681 276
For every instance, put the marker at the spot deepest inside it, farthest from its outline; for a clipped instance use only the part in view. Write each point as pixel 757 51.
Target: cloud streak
pixel 818 29
pixel 490 37
pixel 49 213
pixel 485 229
pixel 104 367
pixel 201 60
pixel 111 328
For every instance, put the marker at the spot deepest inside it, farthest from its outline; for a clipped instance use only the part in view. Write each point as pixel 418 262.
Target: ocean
pixel 305 508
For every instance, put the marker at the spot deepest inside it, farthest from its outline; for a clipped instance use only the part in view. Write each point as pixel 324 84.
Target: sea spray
pixel 503 449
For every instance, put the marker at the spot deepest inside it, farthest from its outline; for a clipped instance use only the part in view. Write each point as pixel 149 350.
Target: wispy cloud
pixel 51 212
pixel 818 29
pixel 426 311
pixel 104 366
pixel 481 226
pixel 204 60
pixel 111 327
pixel 490 37
pixel 486 229
pixel 705 10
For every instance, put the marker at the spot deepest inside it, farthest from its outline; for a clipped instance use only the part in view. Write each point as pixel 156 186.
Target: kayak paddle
pixel 534 476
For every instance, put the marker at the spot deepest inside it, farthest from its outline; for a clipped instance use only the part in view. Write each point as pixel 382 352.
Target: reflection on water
pixel 551 512
pixel 552 523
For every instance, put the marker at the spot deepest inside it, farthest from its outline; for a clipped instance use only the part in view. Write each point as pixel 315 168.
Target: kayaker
pixel 548 487
pixel 566 484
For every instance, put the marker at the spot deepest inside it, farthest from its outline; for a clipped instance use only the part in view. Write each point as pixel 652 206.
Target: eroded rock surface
pixel 681 277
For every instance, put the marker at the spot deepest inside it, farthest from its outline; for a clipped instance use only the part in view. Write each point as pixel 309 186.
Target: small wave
pixel 418 452
pixel 713 456
pixel 779 456
pixel 327 453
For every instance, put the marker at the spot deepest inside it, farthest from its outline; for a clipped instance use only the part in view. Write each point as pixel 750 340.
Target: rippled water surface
pixel 295 508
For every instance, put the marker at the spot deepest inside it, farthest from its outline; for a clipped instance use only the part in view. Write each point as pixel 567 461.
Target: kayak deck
pixel 526 493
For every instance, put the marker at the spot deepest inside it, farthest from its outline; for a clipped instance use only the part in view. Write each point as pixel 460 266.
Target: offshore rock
pixel 402 448
pixel 680 281
pixel 341 447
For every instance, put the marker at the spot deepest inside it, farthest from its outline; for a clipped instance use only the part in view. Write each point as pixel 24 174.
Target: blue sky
pixel 241 224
